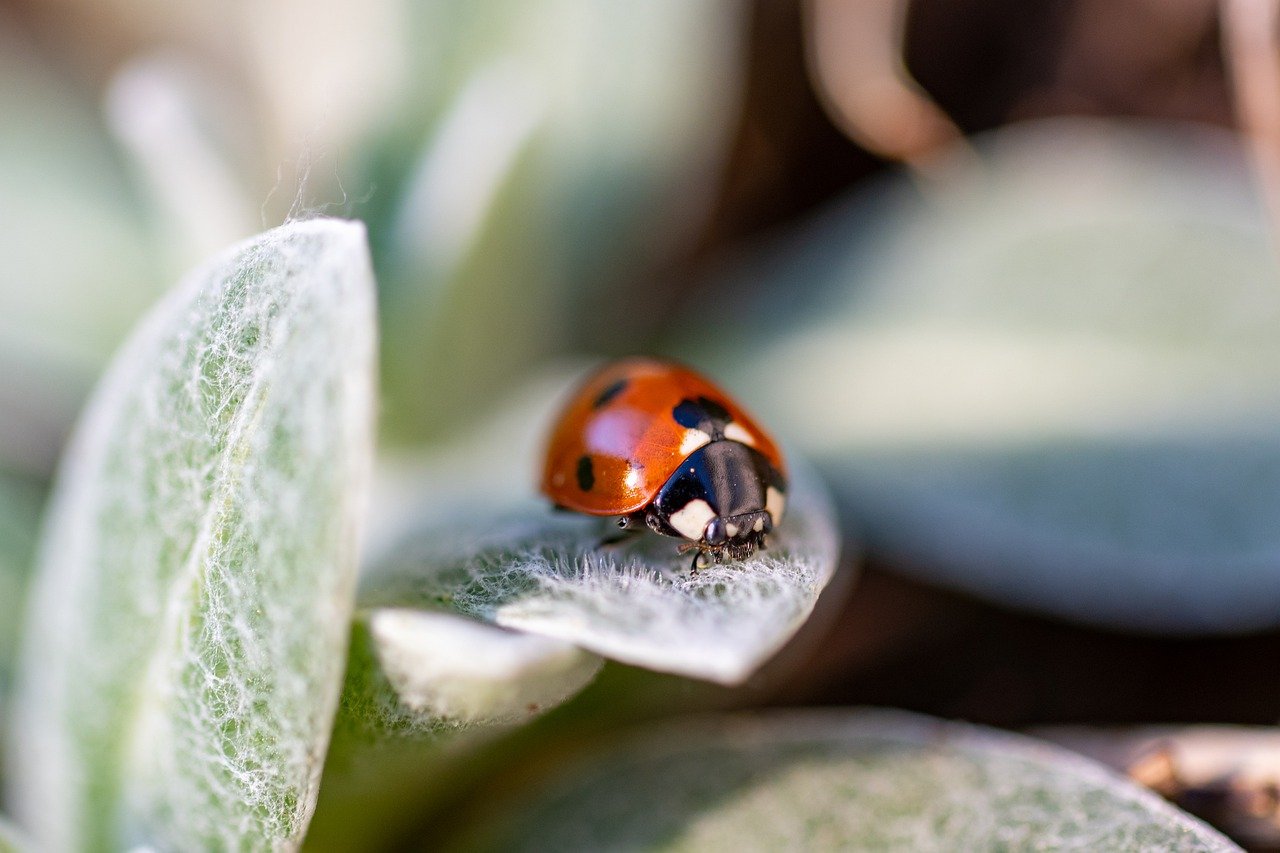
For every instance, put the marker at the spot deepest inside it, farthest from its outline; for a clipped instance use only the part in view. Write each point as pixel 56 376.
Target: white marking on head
pixel 692 440
pixel 775 503
pixel 731 529
pixel 736 432
pixel 691 521
pixel 758 527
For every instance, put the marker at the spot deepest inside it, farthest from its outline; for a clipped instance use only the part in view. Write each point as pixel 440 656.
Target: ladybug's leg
pixel 629 526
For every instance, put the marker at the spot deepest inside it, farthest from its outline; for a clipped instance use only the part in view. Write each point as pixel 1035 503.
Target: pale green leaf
pixel 531 197
pixel 863 780
pixel 158 110
pixel 1054 383
pixel 192 607
pixel 79 268
pixel 424 690
pixel 421 671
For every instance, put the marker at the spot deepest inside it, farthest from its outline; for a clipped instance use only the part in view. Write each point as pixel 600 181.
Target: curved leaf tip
pixel 531 570
pixel 427 671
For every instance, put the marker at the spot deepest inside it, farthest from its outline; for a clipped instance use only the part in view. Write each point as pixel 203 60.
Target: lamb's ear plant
pixel 490 549
pixel 862 780
pixel 527 569
pixel 187 632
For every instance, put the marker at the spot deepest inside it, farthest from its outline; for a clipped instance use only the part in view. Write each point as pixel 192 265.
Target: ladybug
pixel 662 448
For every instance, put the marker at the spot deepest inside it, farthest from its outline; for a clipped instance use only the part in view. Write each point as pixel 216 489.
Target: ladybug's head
pixel 722 532
pixel 723 499
pixel 736 537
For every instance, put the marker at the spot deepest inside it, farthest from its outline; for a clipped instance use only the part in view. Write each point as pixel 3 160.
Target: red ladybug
pixel 661 447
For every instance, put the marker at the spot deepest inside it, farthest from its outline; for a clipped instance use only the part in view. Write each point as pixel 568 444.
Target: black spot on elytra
pixel 586 474
pixel 603 398
pixel 704 414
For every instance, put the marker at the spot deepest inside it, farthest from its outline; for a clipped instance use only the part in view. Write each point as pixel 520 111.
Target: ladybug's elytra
pixel 661 447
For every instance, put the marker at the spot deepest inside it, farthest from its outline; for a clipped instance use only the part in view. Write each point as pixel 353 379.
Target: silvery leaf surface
pixel 192 605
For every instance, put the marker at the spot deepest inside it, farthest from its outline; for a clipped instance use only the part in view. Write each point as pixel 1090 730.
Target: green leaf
pixel 420 671
pixel 79 264
pixel 532 199
pixel 79 261
pixel 863 780
pixel 495 553
pixel 1055 383
pixel 190 619
pixel 162 115
pixel 424 690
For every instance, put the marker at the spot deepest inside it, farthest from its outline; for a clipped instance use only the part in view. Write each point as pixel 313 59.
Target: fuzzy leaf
pixel 865 780
pixel 424 690
pixel 192 605
pixel 495 553
pixel 422 671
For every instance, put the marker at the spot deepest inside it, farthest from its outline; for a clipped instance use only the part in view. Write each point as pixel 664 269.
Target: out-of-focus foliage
pixel 74 242
pixel 1053 382
pixel 532 196
pixel 187 635
pixel 19 517
pixel 72 232
pixel 862 780
pixel 11 841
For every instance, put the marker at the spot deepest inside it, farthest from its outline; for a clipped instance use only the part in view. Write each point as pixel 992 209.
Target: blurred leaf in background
pixel 864 780
pixel 20 503
pixel 1051 380
pixel 74 239
pixel 532 197
pixel 506 199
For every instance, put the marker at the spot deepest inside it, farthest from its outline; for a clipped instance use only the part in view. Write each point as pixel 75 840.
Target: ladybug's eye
pixel 715 533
